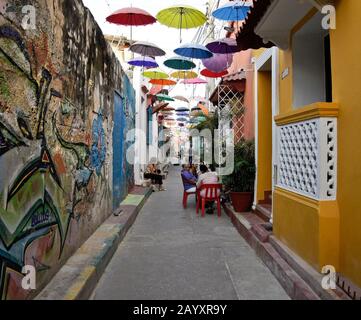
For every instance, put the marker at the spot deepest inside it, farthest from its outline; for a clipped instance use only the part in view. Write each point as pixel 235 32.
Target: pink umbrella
pixel 195 81
pixel 218 62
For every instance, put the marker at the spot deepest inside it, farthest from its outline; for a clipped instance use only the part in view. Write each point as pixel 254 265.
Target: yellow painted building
pixel 308 123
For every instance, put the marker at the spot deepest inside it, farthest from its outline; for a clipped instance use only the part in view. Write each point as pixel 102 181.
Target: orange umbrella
pixel 163 82
pixel 203 108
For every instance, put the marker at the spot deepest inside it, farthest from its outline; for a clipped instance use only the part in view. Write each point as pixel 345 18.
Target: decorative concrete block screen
pixel 307 158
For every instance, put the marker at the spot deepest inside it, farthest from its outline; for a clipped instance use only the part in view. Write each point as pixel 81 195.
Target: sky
pixel 166 38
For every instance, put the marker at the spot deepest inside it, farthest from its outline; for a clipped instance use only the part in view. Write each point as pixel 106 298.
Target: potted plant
pixel 241 181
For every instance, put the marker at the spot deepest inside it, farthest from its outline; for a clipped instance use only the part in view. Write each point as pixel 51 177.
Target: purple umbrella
pixel 218 62
pixel 224 46
pixel 146 62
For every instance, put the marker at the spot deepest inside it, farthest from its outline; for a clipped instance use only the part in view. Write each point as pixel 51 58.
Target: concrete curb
pixel 78 277
pixel 295 287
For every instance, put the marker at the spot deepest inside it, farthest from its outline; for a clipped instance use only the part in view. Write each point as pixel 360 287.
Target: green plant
pixel 243 176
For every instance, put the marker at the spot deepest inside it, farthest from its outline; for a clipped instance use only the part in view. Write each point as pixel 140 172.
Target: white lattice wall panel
pixel 307 159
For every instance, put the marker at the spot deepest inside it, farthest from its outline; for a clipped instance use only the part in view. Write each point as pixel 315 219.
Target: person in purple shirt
pixel 189 180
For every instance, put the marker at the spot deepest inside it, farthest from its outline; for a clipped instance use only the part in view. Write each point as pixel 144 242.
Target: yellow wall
pixel 309 227
pixel 320 231
pixel 346 73
pixel 264 163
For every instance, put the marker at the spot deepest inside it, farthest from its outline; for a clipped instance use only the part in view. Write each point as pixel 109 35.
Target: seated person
pixel 153 173
pixel 189 180
pixel 207 177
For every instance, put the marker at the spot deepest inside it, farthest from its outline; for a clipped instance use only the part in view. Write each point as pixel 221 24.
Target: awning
pixel 246 37
pixel 235 82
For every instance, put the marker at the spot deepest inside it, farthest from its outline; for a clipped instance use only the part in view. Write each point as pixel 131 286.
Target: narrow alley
pixel 171 253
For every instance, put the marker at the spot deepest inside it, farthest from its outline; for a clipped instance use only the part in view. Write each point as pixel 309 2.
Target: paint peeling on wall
pixel 57 88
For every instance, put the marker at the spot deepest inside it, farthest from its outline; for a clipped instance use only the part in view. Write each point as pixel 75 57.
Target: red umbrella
pixel 131 17
pixel 210 74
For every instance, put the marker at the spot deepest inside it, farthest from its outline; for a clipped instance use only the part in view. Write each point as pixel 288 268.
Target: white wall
pixel 308 70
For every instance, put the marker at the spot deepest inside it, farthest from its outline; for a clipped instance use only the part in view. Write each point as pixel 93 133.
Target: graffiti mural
pixel 54 181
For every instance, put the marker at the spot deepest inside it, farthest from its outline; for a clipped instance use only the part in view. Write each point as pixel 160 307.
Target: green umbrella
pixel 179 63
pixel 181 17
pixel 164 97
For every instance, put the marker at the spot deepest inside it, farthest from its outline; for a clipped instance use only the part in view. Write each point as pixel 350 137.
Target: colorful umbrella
pixel 131 17
pixel 146 49
pixel 194 81
pixel 232 11
pixel 181 119
pixel 164 97
pixel 184 75
pixel 147 62
pixel 193 51
pixel 181 98
pixel 155 74
pixel 169 109
pixel 181 17
pixel 223 46
pixel 163 82
pixel 218 62
pixel 182 110
pixel 203 109
pixel 179 63
pixel 210 74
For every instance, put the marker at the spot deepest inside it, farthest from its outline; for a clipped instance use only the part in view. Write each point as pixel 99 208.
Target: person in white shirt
pixel 207 177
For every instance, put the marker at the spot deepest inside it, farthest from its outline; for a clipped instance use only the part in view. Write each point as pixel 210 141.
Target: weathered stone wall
pixel 57 85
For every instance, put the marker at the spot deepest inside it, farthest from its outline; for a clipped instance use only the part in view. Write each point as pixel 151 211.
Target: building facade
pixel 65 108
pixel 307 76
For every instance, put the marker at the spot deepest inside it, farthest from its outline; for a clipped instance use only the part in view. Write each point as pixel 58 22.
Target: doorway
pixel 266 96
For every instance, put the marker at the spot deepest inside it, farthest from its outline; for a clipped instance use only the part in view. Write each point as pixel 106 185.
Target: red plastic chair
pixel 213 193
pixel 186 194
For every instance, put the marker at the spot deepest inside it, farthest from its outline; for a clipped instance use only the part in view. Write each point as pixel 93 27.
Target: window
pixel 312 80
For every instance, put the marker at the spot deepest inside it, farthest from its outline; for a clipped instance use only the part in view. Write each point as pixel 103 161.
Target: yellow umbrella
pixel 155 74
pixel 184 74
pixel 181 17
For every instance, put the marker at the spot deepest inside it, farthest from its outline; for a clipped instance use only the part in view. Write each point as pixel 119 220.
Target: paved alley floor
pixel 171 253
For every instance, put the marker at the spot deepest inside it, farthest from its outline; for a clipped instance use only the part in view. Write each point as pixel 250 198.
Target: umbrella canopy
pixel 233 11
pixel 223 46
pixel 194 81
pixel 182 114
pixel 203 109
pixel 218 62
pixel 182 119
pixel 147 62
pixel 155 74
pixel 163 82
pixel 210 74
pixel 131 17
pixel 169 109
pixel 146 49
pixel 181 17
pixel 182 110
pixel 194 51
pixel 184 75
pixel 164 97
pixel 179 63
pixel 181 98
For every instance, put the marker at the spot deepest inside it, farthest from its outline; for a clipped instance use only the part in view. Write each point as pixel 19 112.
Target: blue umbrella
pixel 194 51
pixel 146 62
pixel 232 11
